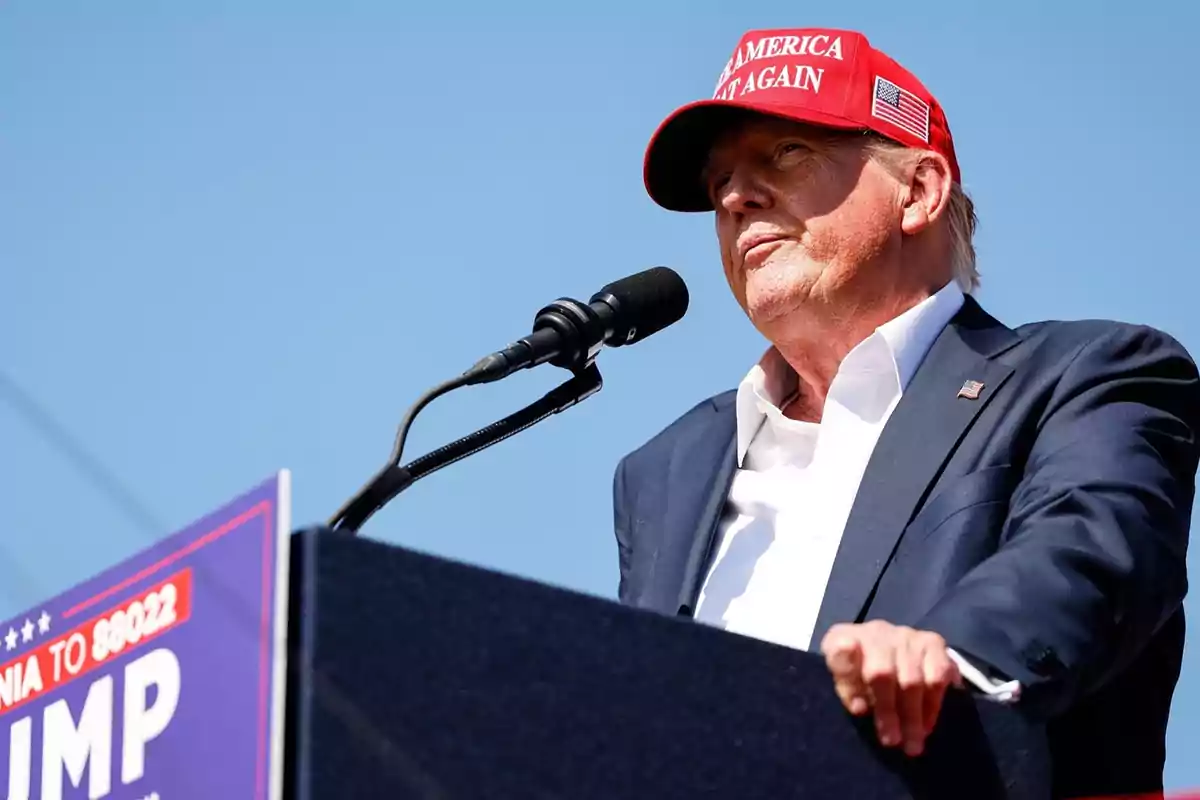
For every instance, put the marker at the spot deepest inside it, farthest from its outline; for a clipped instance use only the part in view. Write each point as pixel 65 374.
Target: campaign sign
pixel 161 678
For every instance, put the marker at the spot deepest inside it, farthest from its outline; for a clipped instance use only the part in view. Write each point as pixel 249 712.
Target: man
pixel 930 498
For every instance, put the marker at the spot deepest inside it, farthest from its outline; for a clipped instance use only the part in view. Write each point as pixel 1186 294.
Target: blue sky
pixel 240 236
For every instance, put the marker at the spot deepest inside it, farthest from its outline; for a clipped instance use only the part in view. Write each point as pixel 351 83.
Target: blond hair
pixel 961 219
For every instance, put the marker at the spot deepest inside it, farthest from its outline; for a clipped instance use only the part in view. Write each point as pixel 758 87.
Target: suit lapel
pixel 923 431
pixel 705 530
pixel 698 477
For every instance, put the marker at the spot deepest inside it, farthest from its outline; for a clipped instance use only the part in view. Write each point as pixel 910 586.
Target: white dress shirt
pixel 796 483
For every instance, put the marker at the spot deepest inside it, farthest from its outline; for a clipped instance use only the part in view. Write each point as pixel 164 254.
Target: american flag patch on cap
pixel 901 108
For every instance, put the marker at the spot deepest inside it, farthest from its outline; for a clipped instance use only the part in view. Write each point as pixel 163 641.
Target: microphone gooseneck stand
pixel 394 479
pixel 566 334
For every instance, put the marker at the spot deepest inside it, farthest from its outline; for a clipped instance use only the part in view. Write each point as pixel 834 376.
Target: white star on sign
pixel 11 639
pixel 44 623
pixel 27 631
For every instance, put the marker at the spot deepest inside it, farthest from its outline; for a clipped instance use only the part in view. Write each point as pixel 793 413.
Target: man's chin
pixel 768 312
pixel 772 301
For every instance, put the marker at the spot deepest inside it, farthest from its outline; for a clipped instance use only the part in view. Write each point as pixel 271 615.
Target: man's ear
pixel 928 194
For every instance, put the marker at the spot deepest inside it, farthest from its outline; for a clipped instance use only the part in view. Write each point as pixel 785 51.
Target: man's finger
pixel 843 657
pixel 940 674
pixel 910 699
pixel 879 672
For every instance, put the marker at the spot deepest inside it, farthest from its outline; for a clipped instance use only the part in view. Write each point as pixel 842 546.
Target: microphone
pixel 569 334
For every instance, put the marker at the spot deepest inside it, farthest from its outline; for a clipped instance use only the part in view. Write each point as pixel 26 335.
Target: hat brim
pixel 677 151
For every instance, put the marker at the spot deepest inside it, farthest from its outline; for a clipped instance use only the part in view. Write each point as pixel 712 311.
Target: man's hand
pixel 900 672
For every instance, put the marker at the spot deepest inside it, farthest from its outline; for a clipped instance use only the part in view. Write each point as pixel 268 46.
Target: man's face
pixel 804 219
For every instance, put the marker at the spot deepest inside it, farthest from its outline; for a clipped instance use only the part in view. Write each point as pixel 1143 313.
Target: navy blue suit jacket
pixel 1041 528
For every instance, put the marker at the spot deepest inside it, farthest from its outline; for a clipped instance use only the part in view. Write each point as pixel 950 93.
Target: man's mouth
pixel 756 249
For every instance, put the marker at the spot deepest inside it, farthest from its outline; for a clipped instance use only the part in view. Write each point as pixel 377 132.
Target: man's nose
pixel 743 192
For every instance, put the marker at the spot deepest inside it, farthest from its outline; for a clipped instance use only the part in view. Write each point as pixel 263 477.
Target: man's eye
pixel 790 148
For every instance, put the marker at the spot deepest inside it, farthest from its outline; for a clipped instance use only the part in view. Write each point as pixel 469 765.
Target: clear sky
pixel 240 236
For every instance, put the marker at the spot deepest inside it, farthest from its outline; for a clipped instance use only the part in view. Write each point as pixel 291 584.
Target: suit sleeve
pixel 1092 555
pixel 621 528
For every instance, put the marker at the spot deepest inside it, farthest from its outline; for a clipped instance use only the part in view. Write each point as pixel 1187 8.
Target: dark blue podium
pixel 416 677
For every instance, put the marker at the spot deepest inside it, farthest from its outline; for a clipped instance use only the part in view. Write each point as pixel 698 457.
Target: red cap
pixel 831 78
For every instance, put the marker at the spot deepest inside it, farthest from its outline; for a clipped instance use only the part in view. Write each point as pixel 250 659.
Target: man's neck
pixel 814 350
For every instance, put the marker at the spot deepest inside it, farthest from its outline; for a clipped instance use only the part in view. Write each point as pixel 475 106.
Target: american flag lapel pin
pixel 970 390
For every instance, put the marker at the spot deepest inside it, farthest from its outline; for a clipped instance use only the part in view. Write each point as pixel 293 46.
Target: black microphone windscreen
pixel 644 304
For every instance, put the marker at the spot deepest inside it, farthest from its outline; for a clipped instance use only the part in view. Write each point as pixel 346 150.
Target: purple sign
pixel 161 678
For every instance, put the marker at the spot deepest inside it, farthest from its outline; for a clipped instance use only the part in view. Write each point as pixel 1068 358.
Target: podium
pixel 238 659
pixel 417 677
